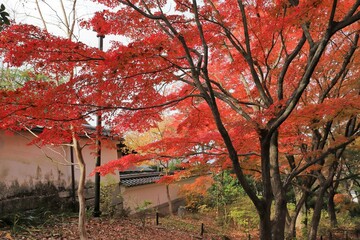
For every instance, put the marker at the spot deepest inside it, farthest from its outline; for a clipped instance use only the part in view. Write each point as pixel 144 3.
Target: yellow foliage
pixel 199 186
pixel 135 140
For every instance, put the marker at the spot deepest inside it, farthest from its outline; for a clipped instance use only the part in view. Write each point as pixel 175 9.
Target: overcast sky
pixel 26 11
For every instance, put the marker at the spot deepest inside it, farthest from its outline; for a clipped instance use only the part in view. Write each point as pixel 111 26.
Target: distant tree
pixel 4 16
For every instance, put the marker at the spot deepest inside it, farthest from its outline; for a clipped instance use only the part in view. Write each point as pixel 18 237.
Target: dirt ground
pixel 169 228
pixel 132 228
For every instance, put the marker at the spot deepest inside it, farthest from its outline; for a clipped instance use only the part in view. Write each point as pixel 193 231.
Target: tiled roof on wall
pixel 141 178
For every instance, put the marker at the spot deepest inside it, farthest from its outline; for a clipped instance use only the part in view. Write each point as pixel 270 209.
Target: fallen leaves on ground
pixel 124 229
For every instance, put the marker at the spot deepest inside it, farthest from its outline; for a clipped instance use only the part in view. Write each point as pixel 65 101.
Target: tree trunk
pixel 317 214
pixel 299 205
pixel 171 208
pixel 332 190
pixel 265 210
pixel 324 185
pixel 331 208
pixel 265 223
pixel 81 188
pixel 279 219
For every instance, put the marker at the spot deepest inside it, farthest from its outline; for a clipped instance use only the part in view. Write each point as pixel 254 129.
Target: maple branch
pixel 238 109
pixel 305 188
pixel 15 111
pixel 225 135
pixel 291 103
pixel 353 9
pixel 174 32
pixel 332 13
pixel 58 17
pixel 73 22
pixel 65 18
pixel 147 15
pixel 249 58
pixel 222 130
pixel 274 123
pixel 204 68
pixel 41 15
pixel 96 108
pixel 67 162
pixel 187 50
pixel 195 153
pixel 228 98
pixel 228 94
pixel 252 170
pixel 307 34
pixel 351 176
pixel 158 21
pixel 204 44
pixel 348 19
pixel 220 126
pixel 68 58
pixel 287 63
pixel 267 56
pixel 147 72
pixel 234 41
pixel 330 150
pixel 276 64
pixel 344 65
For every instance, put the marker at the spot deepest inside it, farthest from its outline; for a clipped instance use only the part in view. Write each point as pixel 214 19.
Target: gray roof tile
pixel 141 178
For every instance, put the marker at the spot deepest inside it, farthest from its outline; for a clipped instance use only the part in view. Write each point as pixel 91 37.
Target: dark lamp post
pixel 97 212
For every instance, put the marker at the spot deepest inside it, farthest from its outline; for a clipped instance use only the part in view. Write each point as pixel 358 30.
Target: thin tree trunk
pixel 41 15
pixel 317 214
pixel 332 191
pixel 81 188
pixel 171 208
pixel 331 208
pixel 299 205
pixel 324 185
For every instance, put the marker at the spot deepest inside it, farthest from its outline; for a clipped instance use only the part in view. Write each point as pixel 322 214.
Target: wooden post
pixel 249 237
pixel 157 218
pixel 202 229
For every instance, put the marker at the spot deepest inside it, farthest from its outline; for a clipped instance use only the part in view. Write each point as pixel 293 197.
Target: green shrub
pixel 109 198
pixel 225 190
pixel 143 210
pixel 244 215
pixel 194 201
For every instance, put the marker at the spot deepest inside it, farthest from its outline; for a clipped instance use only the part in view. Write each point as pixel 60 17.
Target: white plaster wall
pixel 108 153
pixel 155 193
pixel 29 164
pixel 26 163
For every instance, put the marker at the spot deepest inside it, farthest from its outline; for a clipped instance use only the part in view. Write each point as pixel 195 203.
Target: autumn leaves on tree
pixel 267 88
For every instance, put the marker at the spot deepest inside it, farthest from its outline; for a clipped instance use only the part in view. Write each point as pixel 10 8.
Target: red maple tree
pixel 250 82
